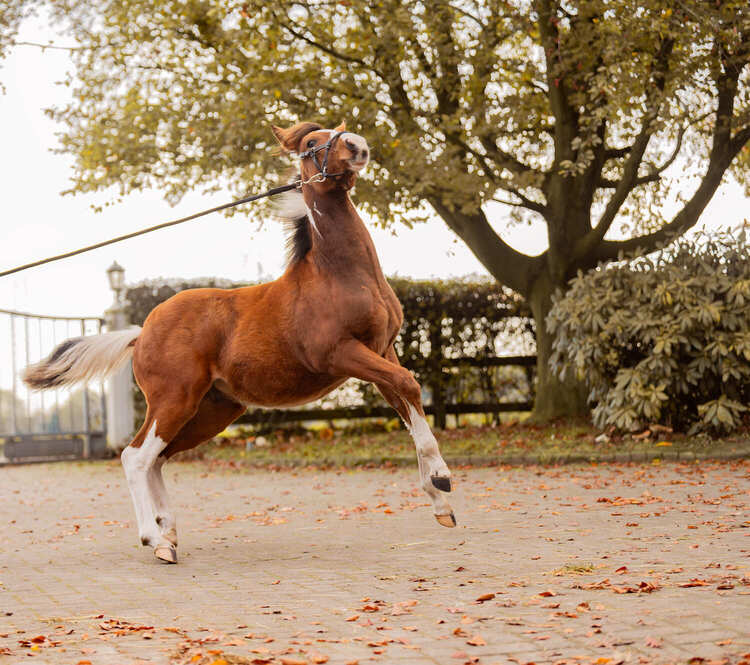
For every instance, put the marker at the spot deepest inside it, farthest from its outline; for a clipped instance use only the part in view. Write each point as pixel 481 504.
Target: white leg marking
pixel 138 464
pixel 431 463
pixel 165 518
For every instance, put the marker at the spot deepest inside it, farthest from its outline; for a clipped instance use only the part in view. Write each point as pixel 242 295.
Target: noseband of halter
pixel 323 173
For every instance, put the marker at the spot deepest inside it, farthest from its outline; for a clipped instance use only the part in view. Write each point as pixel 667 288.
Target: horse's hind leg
pixel 165 518
pixel 142 464
pixel 214 413
pixel 138 460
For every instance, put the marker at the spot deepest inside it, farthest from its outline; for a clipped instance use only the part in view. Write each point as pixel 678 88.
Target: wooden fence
pixel 439 407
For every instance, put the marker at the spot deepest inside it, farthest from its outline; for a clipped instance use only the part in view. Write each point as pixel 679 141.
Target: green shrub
pixel 664 339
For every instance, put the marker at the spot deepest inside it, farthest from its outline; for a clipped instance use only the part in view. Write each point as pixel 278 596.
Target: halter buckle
pixel 317 177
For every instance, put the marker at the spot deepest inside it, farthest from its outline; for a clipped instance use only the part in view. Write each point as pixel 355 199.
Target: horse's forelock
pixel 290 138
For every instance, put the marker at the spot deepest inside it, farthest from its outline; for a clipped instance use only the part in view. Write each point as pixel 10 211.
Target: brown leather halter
pixel 322 168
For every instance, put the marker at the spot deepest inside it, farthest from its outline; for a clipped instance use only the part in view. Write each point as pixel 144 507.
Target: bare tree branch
pixel 296 32
pixel 690 213
pixel 524 203
pixel 656 172
pixel 630 169
pixel 506 264
pixel 504 159
pixel 49 46
pixel 617 153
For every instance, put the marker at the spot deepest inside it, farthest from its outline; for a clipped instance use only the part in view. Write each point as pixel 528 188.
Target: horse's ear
pixel 341 127
pixel 282 136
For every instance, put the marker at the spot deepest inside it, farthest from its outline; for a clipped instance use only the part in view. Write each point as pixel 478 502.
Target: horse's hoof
pixel 442 483
pixel 166 554
pixel 171 536
pixel 446 520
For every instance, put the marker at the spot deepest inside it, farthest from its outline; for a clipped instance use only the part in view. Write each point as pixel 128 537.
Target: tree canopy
pixel 570 113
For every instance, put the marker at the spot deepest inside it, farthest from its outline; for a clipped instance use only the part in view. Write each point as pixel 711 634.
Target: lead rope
pixel 271 192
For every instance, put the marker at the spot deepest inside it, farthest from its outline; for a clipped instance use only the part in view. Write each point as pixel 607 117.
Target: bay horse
pixel 204 355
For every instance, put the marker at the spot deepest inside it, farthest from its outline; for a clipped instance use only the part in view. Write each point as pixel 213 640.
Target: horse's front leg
pixel 404 394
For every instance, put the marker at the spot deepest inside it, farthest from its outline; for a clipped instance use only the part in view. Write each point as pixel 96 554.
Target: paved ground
pixel 597 565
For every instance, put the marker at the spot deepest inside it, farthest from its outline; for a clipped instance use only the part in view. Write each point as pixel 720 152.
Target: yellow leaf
pixel 664 443
pixel 477 641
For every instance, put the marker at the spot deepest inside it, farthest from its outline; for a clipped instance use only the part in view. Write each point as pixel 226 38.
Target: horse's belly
pixel 277 388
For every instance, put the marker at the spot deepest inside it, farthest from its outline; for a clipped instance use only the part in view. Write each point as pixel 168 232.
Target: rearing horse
pixel 204 355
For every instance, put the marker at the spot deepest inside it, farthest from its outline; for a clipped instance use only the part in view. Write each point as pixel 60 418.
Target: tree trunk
pixel 554 398
pixel 531 276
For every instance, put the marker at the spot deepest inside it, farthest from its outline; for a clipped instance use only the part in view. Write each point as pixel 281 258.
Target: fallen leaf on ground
pixel 694 582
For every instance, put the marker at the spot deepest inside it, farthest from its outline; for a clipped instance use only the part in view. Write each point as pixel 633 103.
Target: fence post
pixel 119 389
pixel 436 371
pixel 86 410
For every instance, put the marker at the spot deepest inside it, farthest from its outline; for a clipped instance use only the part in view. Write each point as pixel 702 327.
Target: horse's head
pixel 329 158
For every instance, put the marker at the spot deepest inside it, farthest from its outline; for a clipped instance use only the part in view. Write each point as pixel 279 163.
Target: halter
pixel 322 168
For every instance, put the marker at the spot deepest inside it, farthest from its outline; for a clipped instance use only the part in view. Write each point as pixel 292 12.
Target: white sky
pixel 35 221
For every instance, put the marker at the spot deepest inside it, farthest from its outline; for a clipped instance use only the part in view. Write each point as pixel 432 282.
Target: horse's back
pixel 192 328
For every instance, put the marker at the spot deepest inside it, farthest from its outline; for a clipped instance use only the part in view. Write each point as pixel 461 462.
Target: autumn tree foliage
pixel 612 122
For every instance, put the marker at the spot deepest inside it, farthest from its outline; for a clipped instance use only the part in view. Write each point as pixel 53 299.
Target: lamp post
pixel 119 389
pixel 116 277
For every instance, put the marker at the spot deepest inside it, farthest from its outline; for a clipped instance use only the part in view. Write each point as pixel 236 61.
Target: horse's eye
pixel 311 143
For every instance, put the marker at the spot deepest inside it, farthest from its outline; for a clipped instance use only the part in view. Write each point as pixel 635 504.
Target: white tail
pixel 82 359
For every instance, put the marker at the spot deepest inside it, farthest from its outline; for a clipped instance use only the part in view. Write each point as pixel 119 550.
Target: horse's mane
pixel 291 210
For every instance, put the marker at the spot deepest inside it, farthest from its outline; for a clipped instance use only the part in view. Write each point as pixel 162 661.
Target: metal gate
pixel 54 424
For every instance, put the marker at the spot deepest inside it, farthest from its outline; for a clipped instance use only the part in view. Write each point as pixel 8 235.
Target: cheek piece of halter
pixel 323 173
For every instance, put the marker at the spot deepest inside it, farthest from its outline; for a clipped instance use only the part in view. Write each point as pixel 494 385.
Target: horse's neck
pixel 340 240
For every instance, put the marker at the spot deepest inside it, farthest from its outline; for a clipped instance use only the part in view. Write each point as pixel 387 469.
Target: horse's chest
pixel 375 318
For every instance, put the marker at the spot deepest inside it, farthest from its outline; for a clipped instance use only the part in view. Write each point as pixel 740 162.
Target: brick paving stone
pixel 276 563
